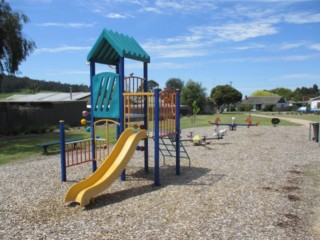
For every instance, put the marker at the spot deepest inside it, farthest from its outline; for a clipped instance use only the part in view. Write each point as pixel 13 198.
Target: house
pixel 315 103
pixel 24 111
pixel 267 103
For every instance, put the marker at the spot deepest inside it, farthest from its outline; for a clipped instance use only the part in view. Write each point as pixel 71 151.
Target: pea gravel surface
pixel 255 183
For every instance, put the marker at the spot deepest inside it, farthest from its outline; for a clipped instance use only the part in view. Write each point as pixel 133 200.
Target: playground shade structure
pixel 109 171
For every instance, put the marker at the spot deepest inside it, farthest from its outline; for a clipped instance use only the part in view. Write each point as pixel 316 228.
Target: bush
pixel 244 107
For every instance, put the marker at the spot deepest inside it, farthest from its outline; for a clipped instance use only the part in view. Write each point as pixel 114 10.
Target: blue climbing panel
pixel 106 95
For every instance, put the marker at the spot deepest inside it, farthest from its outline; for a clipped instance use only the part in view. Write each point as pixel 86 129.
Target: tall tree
pixel 283 92
pixel 174 83
pixel 263 93
pixel 14 45
pixel 152 85
pixel 193 91
pixel 225 95
pixel 304 93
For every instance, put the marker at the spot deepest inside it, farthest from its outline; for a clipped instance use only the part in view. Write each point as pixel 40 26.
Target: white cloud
pixel 305 76
pixel 67 25
pixel 185 6
pixel 168 4
pixel 176 47
pixel 117 16
pixel 251 46
pixel 315 46
pixel 62 49
pixel 150 9
pixel 302 17
pixel 236 31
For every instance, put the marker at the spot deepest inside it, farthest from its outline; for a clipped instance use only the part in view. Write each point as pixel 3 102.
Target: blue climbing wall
pixel 106 95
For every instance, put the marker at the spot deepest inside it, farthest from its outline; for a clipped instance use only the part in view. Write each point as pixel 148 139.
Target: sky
pixel 250 44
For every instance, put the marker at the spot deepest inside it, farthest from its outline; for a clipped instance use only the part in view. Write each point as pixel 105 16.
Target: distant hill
pixel 12 84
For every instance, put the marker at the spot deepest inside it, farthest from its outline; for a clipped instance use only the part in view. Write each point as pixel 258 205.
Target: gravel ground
pixel 256 183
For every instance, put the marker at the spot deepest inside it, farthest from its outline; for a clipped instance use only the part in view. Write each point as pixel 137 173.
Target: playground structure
pixel 141 115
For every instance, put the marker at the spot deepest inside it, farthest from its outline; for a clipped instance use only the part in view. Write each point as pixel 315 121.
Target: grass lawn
pixel 202 120
pixel 22 147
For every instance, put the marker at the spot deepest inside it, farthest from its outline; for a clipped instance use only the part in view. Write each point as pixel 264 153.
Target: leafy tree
pixel 283 92
pixel 174 83
pixel 225 95
pixel 195 111
pixel 263 93
pixel 152 85
pixel 193 91
pixel 14 84
pixel 14 46
pixel 304 93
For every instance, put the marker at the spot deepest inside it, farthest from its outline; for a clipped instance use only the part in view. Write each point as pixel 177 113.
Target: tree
pixel 263 93
pixel 195 111
pixel 174 83
pixel 225 95
pixel 304 93
pixel 193 91
pixel 283 92
pixel 14 46
pixel 152 85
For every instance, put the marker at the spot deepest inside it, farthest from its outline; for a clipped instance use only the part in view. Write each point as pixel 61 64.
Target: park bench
pixel 45 145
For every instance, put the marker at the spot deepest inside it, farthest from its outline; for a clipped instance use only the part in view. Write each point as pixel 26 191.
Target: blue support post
pixel 178 132
pixel 92 73
pixel 118 119
pixel 145 111
pixel 62 152
pixel 156 138
pixel 121 90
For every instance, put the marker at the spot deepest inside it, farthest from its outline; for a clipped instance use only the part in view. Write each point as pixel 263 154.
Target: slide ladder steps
pixel 167 148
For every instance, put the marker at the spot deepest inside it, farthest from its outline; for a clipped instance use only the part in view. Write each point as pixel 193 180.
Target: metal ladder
pixel 167 147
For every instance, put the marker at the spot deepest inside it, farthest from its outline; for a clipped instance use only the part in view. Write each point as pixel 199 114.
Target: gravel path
pixel 256 183
pixel 303 122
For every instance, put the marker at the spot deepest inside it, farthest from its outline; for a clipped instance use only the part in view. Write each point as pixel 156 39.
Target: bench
pixel 55 142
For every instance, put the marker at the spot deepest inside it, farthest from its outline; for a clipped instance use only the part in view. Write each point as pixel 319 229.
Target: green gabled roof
pixel 110 46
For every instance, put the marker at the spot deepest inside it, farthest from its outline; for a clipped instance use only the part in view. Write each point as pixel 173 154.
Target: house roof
pixel 110 46
pixel 315 99
pixel 47 97
pixel 264 100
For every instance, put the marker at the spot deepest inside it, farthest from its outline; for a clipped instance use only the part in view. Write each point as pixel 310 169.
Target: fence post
pixel 62 152
pixel 145 111
pixel 156 138
pixel 177 117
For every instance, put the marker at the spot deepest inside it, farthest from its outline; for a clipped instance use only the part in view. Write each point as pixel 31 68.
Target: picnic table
pixel 45 145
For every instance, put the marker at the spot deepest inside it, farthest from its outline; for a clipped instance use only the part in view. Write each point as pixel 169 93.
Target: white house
pixel 315 103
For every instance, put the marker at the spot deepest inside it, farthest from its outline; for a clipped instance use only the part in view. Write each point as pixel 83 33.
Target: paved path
pixel 303 122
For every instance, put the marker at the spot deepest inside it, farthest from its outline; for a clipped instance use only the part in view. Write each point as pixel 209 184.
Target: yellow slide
pixel 82 192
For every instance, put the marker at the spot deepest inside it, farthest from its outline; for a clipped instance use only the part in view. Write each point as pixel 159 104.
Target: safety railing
pixel 141 104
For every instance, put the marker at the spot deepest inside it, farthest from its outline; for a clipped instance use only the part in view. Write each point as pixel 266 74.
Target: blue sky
pixel 252 45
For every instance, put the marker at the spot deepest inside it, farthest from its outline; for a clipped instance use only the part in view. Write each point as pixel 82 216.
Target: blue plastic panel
pixel 106 95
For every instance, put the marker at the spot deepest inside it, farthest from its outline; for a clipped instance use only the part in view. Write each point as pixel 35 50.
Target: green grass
pixel 22 147
pixel 202 120
pixel 5 95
